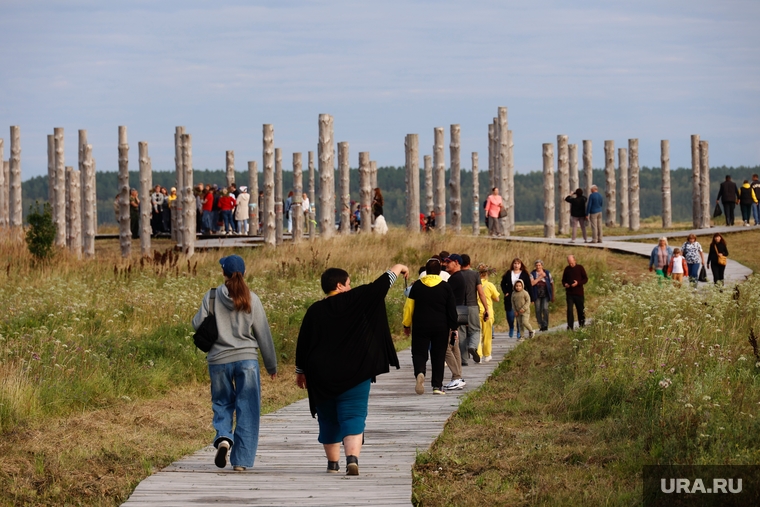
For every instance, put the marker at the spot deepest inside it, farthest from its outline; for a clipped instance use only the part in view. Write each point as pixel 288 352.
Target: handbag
pixel 718 212
pixel 702 274
pixel 722 259
pixel 207 333
pixel 463 314
pixel 502 212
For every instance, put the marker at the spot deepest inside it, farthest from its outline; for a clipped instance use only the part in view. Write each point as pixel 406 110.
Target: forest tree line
pixel 529 205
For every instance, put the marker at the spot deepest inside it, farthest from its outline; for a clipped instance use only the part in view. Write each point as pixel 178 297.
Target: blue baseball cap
pixel 455 257
pixel 232 264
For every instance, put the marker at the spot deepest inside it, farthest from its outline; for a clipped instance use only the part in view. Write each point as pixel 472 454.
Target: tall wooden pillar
pixel 610 188
pixel 229 161
pixel 188 199
pixel 439 174
pixel 704 183
pixel 563 173
pixel 412 148
pixel 429 187
pixel 345 188
pixel 667 213
pixel 16 216
pixel 511 181
pixel 59 190
pixel 623 176
pixel 502 133
pixel 491 151
pixel 125 233
pixel 475 196
pixel 89 196
pixel 455 196
pixel 296 209
pixel 696 190
pixel 269 225
pixel 253 203
pixel 75 208
pixel 548 152
pixel 327 177
pixel 365 192
pixel 278 210
pixel 633 186
pixel 588 169
pixel 179 183
pixel 3 194
pixel 312 201
pixel 575 181
pixel 146 184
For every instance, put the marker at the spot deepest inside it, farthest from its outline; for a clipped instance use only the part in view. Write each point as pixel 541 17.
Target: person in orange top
pixel 493 207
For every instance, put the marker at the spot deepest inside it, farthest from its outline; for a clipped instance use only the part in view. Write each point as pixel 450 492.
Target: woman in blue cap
pixel 233 364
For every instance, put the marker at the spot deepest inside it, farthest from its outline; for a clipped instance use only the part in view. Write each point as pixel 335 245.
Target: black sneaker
pixel 352 465
pixel 221 454
pixel 474 353
pixel 333 467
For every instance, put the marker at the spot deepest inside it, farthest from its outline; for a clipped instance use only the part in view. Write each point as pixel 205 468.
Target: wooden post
pixel 429 189
pixel 82 183
pixel 563 173
pixel 667 214
pixel 146 184
pixel 229 164
pixel 373 177
pixel 696 189
pixel 296 210
pixel 491 151
pixel 312 202
pixel 439 172
pixel 412 145
pixel 633 186
pixel 3 195
pixel 51 174
pixel 588 169
pixel 269 224
pixel 188 199
pixel 511 182
pixel 67 199
pixel 623 175
pixel 503 156
pixel 278 211
pixel 345 189
pixel 75 207
pixel 253 203
pixel 6 192
pixel 704 183
pixel 327 177
pixel 125 233
pixel 179 183
pixel 548 190
pixel 475 196
pixel 455 196
pixel 90 218
pixel 365 192
pixel 496 175
pixel 575 181
pixel 16 216
pixel 610 189
pixel 60 188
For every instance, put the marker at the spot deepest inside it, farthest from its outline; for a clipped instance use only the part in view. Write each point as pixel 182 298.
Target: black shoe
pixel 352 465
pixel 221 453
pixel 464 363
pixel 474 353
pixel 333 467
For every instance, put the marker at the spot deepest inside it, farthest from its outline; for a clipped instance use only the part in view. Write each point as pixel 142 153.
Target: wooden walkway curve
pixel 290 463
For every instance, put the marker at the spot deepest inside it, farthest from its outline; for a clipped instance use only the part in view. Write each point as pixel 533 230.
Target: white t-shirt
pixel 677 265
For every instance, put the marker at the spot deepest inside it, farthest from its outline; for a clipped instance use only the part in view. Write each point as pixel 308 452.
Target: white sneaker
pixel 456 384
pixel 486 359
pixel 419 388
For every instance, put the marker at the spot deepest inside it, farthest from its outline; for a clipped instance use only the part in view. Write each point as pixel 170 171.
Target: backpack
pixel 207 333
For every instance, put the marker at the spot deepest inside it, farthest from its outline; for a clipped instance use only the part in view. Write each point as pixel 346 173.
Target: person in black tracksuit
pixel 578 212
pixel 728 194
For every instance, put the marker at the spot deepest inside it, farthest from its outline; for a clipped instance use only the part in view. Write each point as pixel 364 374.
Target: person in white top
pixel 677 267
pixel 241 211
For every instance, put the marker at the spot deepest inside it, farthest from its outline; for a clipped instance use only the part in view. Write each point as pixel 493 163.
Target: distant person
pixel 516 271
pixel 728 194
pixel 594 214
pixel 755 184
pixel 207 204
pixel 343 344
pixel 241 210
pixel 660 257
pixel 747 199
pixel 287 210
pixel 430 221
pixel 486 313
pixel 493 207
pixel 226 204
pixel 543 288
pixel 377 203
pixel 695 258
pixel 134 213
pixel 469 334
pixel 573 279
pixel 717 257
pixel 156 205
pixel 166 214
pixel 577 213
pixel 233 364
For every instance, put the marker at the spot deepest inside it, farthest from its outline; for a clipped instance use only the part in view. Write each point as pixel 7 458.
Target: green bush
pixel 41 233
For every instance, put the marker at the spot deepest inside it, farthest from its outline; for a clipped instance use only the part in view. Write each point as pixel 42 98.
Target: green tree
pixel 41 233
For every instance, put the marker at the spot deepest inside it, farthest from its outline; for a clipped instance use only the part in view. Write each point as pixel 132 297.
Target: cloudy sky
pixel 594 70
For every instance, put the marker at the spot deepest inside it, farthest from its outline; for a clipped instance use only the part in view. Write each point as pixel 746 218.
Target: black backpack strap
pixel 211 302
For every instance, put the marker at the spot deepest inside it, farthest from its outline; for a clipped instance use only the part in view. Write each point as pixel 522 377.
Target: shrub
pixel 41 233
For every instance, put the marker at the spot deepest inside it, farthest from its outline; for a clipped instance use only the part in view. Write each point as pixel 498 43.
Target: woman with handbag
pixel 494 206
pixel 233 364
pixel 516 272
pixel 717 257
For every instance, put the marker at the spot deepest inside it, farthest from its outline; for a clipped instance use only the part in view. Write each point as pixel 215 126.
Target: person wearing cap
pixel 486 324
pixel 233 364
pixel 430 314
pixel 343 344
pixel 543 289
pixel 241 211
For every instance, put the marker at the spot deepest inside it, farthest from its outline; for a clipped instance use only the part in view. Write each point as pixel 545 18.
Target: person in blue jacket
pixel 594 214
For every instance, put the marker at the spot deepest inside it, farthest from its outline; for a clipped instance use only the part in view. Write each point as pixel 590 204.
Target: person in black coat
pixel 728 195
pixel 577 213
pixel 515 272
pixel 718 246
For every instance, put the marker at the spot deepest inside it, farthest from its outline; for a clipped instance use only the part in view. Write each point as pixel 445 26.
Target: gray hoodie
pixel 240 334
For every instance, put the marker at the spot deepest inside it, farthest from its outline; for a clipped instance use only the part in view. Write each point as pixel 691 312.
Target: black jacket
pixel 506 287
pixel 577 205
pixel 712 257
pixel 728 192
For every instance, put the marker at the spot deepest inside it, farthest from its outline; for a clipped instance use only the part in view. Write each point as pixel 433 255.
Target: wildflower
pixel 665 383
pixel 688 405
pixel 706 398
pixel 672 370
pixel 35 356
pixel 742 358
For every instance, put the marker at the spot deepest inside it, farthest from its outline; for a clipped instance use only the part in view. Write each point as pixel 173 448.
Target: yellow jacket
pixel 492 294
pixel 430 281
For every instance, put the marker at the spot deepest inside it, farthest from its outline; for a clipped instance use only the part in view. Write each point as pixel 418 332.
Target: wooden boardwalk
pixel 290 463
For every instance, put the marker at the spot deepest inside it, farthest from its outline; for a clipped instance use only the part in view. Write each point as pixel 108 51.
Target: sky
pixel 595 70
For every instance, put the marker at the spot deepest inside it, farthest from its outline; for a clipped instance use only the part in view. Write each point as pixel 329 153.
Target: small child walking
pixel 521 305
pixel 677 267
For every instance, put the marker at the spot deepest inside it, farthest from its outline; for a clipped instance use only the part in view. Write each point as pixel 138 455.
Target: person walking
pixel 377 203
pixel 594 214
pixel 717 257
pixel 430 314
pixel 226 204
pixel 660 257
pixel 677 267
pixel 156 205
pixel 515 272
pixel 134 213
pixel 755 184
pixel 543 289
pixel 233 364
pixel 747 199
pixel 728 194
pixel 521 305
pixel 493 208
pixel 343 344
pixel 695 258
pixel 242 211
pixel 467 288
pixel 207 204
pixel 573 279
pixel 486 324
pixel 577 213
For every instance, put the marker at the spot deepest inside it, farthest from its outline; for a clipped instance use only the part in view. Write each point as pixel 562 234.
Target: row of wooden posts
pixel 73 200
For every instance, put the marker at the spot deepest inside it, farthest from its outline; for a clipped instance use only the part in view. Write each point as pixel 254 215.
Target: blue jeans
pixel 511 321
pixel 236 387
pixel 694 271
pixel 756 212
pixel 542 313
pixel 242 226
pixel 227 219
pixel 207 222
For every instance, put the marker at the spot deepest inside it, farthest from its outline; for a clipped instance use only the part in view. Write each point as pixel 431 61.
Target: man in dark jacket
pixel 728 194
pixel 573 279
